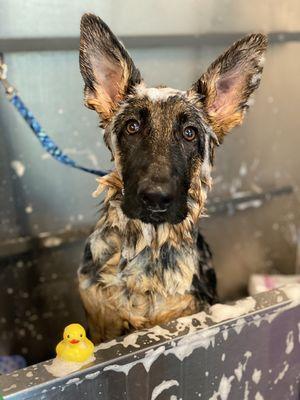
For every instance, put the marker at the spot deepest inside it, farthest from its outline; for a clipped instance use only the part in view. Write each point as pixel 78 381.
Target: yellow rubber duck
pixel 75 346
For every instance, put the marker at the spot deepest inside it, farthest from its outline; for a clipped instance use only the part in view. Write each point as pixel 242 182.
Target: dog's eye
pixel 189 133
pixel 133 126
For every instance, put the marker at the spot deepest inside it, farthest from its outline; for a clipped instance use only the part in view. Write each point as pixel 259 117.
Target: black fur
pixel 92 267
pixel 205 284
pixel 88 267
pixel 168 256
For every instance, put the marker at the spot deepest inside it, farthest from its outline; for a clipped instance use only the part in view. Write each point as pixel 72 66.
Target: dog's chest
pixel 145 288
pixel 140 285
pixel 153 273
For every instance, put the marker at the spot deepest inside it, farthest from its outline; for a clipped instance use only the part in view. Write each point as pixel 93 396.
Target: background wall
pixel 46 209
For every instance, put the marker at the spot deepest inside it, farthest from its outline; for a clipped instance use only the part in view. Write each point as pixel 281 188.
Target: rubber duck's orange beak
pixel 74 341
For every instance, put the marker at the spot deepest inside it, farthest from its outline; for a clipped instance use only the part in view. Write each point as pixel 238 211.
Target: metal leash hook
pixel 9 89
pixel 48 144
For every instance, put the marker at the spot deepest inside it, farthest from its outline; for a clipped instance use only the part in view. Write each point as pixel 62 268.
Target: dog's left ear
pixel 107 69
pixel 228 83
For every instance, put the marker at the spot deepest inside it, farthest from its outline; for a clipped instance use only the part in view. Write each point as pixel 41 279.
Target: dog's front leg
pixel 95 274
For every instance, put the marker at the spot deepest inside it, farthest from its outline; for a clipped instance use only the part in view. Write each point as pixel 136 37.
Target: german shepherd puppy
pixel 146 262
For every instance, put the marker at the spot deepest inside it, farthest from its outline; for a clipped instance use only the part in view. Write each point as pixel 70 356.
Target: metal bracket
pixel 9 89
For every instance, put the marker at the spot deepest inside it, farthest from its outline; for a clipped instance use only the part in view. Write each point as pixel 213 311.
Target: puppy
pixel 147 262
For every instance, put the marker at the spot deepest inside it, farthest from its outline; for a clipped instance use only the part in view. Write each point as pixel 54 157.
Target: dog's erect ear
pixel 107 69
pixel 229 82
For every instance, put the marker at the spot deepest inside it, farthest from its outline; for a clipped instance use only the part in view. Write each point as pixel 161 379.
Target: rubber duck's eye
pixel 81 335
pixel 133 126
pixel 68 336
pixel 189 133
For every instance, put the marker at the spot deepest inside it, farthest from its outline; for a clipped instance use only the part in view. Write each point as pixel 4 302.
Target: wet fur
pixel 139 271
pixel 136 275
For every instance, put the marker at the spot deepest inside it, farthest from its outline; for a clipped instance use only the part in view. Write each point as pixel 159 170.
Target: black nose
pixel 156 197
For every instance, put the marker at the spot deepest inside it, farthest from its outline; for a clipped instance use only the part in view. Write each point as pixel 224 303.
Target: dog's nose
pixel 157 198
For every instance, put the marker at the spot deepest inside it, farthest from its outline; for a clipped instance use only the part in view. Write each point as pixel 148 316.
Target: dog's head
pixel 163 139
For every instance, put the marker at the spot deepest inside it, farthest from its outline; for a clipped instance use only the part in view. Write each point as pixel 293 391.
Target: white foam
pixel 18 167
pixel 73 380
pixel 292 291
pixel 256 376
pixel 106 345
pixel 249 204
pixel 60 368
pixel 52 241
pixel 130 340
pixel 246 393
pixel 221 312
pixel 241 368
pixel 164 385
pixel 240 323
pixel 157 94
pixel 190 342
pixel 147 361
pixel 282 373
pixel 155 333
pixel 261 61
pixel 28 209
pixel 187 322
pixel 93 375
pixel 258 396
pixel 9 388
pixel 243 169
pixel 289 342
pixel 224 388
pixel 255 79
pixel 225 334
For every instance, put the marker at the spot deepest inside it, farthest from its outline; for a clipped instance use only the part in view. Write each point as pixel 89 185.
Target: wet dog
pixel 147 262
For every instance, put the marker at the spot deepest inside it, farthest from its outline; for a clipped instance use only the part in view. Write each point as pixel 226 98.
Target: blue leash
pixel 47 143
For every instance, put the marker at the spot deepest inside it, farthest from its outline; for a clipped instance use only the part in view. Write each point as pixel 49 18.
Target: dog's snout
pixel 156 197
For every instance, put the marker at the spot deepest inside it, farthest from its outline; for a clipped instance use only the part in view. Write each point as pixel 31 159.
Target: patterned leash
pixel 48 144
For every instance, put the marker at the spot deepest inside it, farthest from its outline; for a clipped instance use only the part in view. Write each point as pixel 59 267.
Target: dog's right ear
pixel 107 69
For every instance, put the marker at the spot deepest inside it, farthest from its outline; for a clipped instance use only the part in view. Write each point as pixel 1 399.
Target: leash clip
pixel 9 89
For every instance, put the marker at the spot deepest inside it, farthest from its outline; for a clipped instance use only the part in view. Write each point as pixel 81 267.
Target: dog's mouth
pixel 154 216
pixel 157 210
